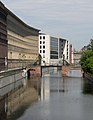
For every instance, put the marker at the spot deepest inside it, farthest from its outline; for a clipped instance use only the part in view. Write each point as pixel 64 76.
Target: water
pixel 61 99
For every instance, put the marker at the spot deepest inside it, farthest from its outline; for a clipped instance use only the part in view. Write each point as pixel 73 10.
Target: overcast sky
pixel 70 19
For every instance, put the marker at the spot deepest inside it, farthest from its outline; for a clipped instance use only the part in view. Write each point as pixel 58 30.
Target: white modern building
pixel 65 50
pixel 53 50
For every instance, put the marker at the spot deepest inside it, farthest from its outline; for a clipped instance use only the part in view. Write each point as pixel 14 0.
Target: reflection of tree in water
pixel 87 87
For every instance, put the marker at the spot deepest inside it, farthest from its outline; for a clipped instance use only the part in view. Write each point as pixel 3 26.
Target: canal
pixel 62 98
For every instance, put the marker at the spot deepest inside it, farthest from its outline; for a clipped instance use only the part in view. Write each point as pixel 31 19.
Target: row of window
pixel 42 47
pixel 42 51
pixel 42 37
pixel 42 42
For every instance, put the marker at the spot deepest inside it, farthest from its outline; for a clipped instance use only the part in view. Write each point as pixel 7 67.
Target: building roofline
pixel 12 14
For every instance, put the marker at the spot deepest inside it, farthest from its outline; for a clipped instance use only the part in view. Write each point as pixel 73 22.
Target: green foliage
pixel 91 44
pixel 87 61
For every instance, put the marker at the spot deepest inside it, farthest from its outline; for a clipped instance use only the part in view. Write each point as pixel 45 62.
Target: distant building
pixel 65 50
pixel 84 48
pixel 3 37
pixel 52 49
pixel 76 57
pixel 71 54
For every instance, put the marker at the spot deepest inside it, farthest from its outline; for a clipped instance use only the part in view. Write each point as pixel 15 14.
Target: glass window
pixel 40 37
pixel 40 51
pixel 40 42
pixel 67 57
pixel 40 46
pixel 43 37
pixel 43 47
pixel 43 51
pixel 43 42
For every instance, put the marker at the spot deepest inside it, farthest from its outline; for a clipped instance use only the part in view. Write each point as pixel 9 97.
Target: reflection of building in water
pixel 45 89
pixel 75 73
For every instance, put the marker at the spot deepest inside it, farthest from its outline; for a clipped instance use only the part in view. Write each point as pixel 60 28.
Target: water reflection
pixel 53 83
pixel 61 99
pixel 45 88
pixel 75 73
pixel 87 87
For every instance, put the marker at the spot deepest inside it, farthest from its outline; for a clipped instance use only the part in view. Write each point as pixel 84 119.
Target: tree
pixel 91 44
pixel 87 61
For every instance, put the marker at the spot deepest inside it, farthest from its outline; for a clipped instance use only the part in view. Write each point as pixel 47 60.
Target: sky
pixel 70 19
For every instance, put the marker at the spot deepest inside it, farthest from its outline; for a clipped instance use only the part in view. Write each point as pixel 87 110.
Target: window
pixel 40 37
pixel 67 57
pixel 43 51
pixel 43 47
pixel 43 42
pixel 40 46
pixel 40 42
pixel 40 51
pixel 43 37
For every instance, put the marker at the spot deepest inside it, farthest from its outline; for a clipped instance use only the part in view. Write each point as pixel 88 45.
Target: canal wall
pixel 66 69
pixel 88 77
pixel 16 90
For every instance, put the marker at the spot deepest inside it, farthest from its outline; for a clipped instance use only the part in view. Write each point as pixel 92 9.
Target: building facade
pixel 76 57
pixel 53 50
pixel 22 42
pixel 64 50
pixel 3 37
pixel 48 49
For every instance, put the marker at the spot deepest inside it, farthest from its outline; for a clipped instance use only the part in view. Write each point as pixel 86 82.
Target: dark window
pixel 43 51
pixel 40 37
pixel 53 57
pixel 40 46
pixel 40 51
pixel 43 47
pixel 40 42
pixel 43 42
pixel 67 57
pixel 43 37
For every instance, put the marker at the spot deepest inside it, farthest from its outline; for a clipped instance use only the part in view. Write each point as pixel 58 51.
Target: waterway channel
pixel 62 98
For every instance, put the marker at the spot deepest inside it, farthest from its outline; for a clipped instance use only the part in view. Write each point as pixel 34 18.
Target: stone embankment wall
pixel 66 69
pixel 23 96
